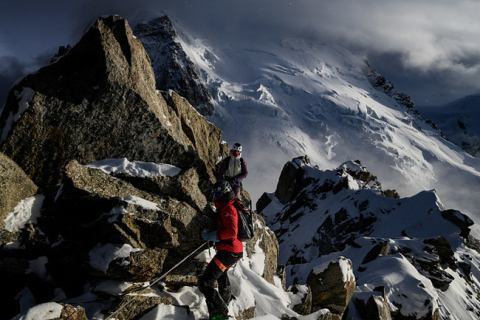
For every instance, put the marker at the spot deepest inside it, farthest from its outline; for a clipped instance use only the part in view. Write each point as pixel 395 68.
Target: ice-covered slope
pixel 291 97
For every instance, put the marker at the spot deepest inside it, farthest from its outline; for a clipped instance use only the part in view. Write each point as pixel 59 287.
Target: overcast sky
pixel 429 49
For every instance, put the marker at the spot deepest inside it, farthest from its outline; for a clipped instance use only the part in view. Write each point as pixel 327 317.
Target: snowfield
pixel 288 98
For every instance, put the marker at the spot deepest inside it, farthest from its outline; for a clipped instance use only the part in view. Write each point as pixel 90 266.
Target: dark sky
pixel 429 49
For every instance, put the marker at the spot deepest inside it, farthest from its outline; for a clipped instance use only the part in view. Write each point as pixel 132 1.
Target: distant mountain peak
pixel 174 70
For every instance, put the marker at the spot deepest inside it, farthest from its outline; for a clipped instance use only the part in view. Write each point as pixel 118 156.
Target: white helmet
pixel 237 147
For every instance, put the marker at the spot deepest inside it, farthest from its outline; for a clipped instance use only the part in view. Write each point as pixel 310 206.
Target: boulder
pixel 246 314
pixel 184 187
pixel 289 183
pixel 70 312
pixel 141 305
pixel 115 211
pixel 201 134
pixel 374 308
pixel 92 208
pixel 15 185
pixel 99 101
pixel 460 220
pixel 382 248
pixel 264 200
pixel 332 286
pixel 139 266
pixel 305 293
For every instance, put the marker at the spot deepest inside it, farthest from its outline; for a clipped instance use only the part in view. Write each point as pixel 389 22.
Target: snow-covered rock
pixel 410 249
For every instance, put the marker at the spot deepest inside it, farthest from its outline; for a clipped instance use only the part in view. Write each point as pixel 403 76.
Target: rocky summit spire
pixel 99 101
pixel 173 68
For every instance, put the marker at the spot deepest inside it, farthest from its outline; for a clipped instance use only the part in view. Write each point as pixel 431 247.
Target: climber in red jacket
pixel 229 251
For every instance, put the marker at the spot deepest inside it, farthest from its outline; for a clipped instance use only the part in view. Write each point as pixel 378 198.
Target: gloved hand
pixel 209 236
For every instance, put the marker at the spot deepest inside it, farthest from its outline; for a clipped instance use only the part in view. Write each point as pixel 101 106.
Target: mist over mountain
pixel 289 97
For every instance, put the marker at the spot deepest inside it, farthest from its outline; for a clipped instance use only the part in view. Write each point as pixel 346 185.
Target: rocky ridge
pixel 89 232
pixel 98 101
pixel 344 214
pixel 173 68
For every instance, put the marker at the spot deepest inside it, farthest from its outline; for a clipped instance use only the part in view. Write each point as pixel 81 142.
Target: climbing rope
pixel 163 276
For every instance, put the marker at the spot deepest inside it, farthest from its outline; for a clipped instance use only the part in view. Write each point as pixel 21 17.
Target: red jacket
pixel 227 227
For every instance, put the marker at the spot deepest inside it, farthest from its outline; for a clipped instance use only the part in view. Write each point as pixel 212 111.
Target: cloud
pixel 12 69
pixel 431 37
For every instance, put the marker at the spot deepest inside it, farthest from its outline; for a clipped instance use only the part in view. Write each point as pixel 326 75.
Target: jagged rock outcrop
pixel 140 307
pixel 319 216
pixel 290 182
pixel 267 241
pixel 305 305
pixel 15 185
pixel 375 307
pixel 99 101
pixel 332 287
pixel 381 83
pixel 107 213
pixel 105 228
pixel 173 68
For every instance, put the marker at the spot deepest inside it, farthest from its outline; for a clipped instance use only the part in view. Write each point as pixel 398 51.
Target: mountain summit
pixel 99 101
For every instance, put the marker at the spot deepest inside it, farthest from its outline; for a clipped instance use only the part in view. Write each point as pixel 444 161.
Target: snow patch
pixel 38 267
pixel 25 96
pixel 102 255
pixel 26 211
pixel 141 202
pixel 135 168
pixel 45 311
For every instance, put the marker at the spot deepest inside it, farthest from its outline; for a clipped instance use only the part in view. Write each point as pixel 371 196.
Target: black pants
pixel 216 270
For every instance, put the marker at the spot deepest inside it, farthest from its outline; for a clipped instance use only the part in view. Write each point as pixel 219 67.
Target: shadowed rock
pixel 98 102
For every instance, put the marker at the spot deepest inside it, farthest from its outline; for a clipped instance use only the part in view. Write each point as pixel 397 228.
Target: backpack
pixel 246 228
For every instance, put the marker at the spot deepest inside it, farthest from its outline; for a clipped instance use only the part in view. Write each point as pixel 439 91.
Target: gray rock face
pixel 15 185
pixel 98 102
pixel 305 307
pixel 269 245
pixel 375 308
pixel 139 307
pixel 173 68
pixel 332 288
pixel 290 182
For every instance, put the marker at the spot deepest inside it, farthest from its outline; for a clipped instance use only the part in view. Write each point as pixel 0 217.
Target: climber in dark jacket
pixel 229 251
pixel 233 169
